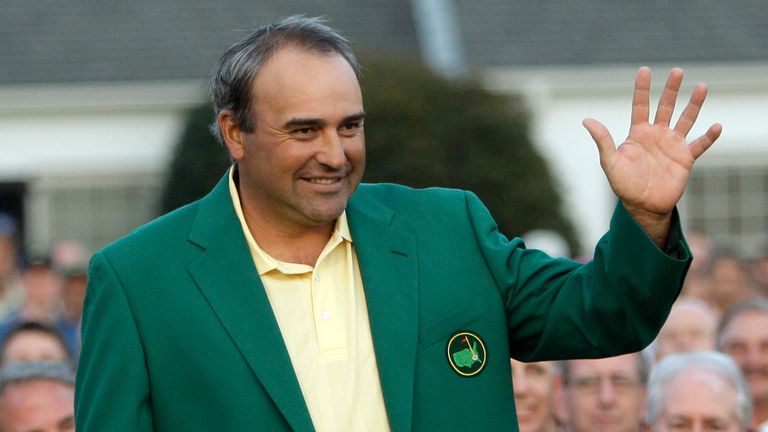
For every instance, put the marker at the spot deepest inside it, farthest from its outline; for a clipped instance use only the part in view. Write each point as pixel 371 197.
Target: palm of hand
pixel 649 171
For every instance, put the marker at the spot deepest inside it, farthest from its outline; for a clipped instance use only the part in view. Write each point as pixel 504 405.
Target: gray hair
pixel 21 372
pixel 752 305
pixel 231 85
pixel 642 368
pixel 712 362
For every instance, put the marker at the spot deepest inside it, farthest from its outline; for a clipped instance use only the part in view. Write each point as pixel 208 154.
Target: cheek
pixel 355 150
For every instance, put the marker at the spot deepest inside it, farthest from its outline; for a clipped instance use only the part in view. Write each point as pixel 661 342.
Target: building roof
pixel 89 40
pixel 97 41
pixel 584 32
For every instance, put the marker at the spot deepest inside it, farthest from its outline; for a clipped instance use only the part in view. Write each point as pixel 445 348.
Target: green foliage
pixel 421 130
pixel 424 131
pixel 198 162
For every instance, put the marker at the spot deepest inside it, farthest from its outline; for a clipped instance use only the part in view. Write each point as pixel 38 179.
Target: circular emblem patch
pixel 466 354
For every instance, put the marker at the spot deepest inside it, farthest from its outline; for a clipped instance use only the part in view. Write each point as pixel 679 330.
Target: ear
pixel 234 138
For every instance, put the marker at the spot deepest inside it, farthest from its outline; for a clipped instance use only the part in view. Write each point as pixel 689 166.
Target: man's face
pixel 698 401
pixel 306 154
pixel 534 395
pixel 39 405
pixel 688 328
pixel 604 395
pixel 745 339
pixel 730 283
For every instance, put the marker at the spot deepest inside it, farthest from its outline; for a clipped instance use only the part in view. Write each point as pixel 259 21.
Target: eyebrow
pixel 294 122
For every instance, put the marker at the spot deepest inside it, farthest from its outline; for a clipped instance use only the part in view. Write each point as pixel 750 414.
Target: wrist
pixel 656 225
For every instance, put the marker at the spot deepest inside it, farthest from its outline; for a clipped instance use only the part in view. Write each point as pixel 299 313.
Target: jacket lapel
pixel 388 264
pixel 227 277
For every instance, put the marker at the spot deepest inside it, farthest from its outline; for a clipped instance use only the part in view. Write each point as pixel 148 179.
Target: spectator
pixel 33 341
pixel 760 271
pixel 536 385
pixel 37 396
pixel 697 282
pixel 730 281
pixel 698 391
pixel 690 327
pixel 75 281
pixel 606 395
pixel 11 292
pixel 743 335
pixel 42 290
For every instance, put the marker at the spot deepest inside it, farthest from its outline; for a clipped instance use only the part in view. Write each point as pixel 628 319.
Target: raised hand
pixel 650 169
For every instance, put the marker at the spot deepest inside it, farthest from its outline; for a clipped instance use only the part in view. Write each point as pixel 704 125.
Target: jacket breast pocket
pixel 454 321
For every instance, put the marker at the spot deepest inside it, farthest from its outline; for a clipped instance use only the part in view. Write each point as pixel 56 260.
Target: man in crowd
pixel 729 280
pixel 690 326
pixel 606 395
pixel 11 291
pixel 37 396
pixel 292 299
pixel 536 386
pixel 743 335
pixel 698 391
pixel 33 341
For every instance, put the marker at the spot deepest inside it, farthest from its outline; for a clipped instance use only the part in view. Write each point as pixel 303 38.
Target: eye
pixel 304 132
pixel 351 128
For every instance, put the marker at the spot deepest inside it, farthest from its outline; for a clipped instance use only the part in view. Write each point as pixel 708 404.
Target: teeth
pixel 323 180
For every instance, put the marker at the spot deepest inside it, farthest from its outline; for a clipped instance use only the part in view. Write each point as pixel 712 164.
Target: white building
pixel 92 98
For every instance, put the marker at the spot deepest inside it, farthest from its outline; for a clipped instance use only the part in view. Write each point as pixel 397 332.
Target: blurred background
pixel 101 101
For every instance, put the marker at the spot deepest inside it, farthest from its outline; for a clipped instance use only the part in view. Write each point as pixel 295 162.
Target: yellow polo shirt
pixel 323 318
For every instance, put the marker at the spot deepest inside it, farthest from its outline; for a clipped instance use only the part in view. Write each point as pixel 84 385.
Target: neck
pixel 282 240
pixel 294 247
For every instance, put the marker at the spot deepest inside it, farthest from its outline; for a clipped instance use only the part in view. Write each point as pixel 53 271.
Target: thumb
pixel 605 144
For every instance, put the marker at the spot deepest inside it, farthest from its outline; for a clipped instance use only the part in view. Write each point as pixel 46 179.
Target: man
pixel 291 299
pixel 690 327
pixel 33 341
pixel 536 385
pixel 11 291
pixel 730 282
pixel 698 391
pixel 743 335
pixel 38 397
pixel 606 395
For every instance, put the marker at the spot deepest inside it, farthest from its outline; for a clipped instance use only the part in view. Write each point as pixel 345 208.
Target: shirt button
pixel 317 278
pixel 325 315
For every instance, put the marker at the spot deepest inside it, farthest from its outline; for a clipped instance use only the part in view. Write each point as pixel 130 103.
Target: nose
pixel 331 151
pixel 606 393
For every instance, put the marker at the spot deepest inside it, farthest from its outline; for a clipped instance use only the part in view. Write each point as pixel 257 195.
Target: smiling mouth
pixel 324 181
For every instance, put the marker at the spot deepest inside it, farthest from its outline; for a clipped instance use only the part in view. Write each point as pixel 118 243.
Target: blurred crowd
pixel 41 304
pixel 707 369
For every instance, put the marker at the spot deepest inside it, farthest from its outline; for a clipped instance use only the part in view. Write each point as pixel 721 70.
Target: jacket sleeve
pixel 112 389
pixel 557 308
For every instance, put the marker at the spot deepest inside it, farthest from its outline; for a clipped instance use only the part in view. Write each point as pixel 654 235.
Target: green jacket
pixel 178 333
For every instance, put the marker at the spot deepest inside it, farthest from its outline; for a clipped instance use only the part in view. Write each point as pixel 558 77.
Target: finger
pixel 605 144
pixel 640 110
pixel 669 97
pixel 691 111
pixel 704 142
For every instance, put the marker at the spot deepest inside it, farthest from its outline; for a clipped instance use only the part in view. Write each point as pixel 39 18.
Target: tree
pixel 198 162
pixel 421 130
